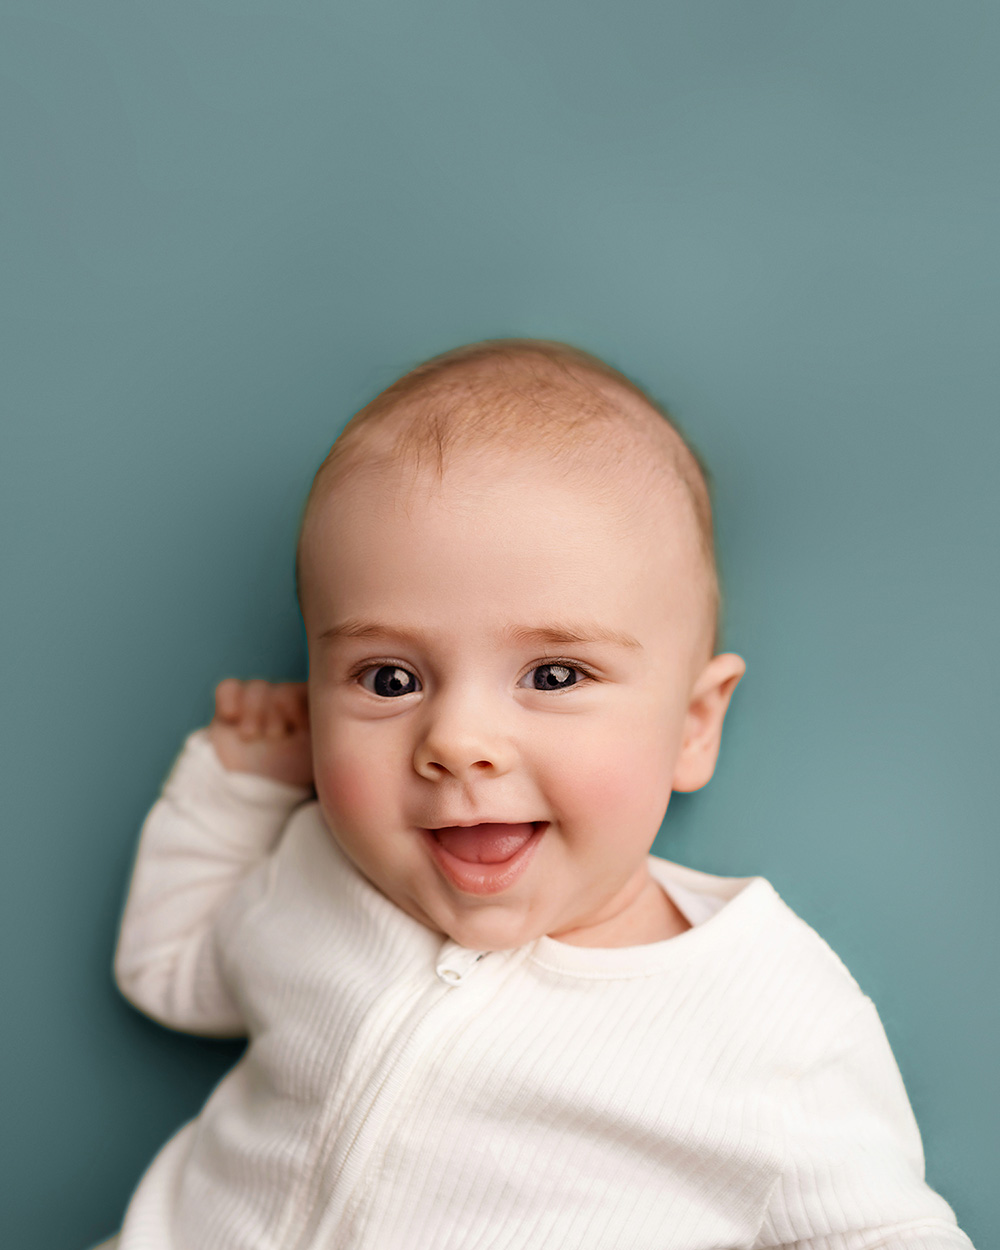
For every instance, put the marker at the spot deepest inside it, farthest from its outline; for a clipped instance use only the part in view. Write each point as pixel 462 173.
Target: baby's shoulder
pixel 787 932
pixel 810 999
pixel 777 963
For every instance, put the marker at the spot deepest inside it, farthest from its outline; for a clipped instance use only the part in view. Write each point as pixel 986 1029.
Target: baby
pixel 481 1015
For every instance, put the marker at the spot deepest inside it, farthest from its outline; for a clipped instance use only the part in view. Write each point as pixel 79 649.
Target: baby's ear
pixel 703 726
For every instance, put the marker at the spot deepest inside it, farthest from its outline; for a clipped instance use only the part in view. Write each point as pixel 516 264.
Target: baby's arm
pixel 854 1174
pixel 221 811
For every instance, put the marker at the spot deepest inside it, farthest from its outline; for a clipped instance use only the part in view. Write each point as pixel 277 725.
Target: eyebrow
pixel 554 635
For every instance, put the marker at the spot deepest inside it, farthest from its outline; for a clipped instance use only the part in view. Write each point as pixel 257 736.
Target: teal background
pixel 227 225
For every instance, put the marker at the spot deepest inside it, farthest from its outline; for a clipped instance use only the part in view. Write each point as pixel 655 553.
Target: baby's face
pixel 501 678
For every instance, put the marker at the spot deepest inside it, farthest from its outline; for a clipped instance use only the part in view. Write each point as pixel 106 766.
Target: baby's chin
pixel 493 926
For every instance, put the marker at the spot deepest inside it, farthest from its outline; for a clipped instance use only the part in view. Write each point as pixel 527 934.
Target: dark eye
pixel 554 676
pixel 389 681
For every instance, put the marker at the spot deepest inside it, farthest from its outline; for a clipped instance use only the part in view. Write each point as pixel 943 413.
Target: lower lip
pixel 483 878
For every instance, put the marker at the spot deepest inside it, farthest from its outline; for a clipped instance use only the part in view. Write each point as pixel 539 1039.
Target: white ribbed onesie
pixel 729 1088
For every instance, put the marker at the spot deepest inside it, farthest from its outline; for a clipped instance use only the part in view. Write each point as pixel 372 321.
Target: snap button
pixel 455 963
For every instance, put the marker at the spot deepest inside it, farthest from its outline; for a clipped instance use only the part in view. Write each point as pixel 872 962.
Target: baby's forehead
pixel 490 484
pixel 506 543
pixel 522 410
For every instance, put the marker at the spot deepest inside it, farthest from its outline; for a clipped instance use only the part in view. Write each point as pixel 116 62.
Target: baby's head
pixel 507 579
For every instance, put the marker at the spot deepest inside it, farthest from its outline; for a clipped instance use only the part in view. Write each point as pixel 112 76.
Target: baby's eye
pixel 553 677
pixel 389 680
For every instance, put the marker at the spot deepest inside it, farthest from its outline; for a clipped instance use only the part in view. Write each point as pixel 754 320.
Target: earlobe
pixel 707 709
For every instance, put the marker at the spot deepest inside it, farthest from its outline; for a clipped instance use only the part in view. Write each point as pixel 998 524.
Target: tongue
pixel 484 844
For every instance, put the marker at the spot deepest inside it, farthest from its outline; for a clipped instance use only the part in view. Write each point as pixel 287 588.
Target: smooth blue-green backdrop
pixel 227 224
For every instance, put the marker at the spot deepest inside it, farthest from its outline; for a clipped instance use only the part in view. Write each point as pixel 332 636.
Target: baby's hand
pixel 263 727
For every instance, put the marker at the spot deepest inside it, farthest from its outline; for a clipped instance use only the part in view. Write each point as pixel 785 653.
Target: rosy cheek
pixel 340 793
pixel 627 781
pixel 604 785
pixel 345 785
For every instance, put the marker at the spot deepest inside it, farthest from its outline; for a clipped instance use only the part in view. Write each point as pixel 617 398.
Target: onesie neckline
pixel 714 906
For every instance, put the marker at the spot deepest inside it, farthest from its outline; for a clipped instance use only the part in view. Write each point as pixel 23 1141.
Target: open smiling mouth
pixel 487 858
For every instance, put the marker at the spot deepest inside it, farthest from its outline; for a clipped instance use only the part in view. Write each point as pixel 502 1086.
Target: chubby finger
pixel 256 696
pixel 229 700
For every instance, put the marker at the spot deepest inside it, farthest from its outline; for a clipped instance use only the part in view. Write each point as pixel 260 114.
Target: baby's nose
pixel 462 739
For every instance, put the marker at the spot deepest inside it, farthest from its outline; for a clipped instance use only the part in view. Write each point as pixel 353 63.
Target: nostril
pixel 434 768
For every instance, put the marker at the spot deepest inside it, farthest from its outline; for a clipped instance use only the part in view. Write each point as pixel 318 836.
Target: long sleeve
pixel 854 1178
pixel 207 831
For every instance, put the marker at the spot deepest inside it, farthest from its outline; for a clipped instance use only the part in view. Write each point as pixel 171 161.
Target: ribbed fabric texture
pixel 729 1088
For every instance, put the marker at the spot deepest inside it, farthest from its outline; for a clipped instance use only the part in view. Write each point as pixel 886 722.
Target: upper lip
pixel 471 824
